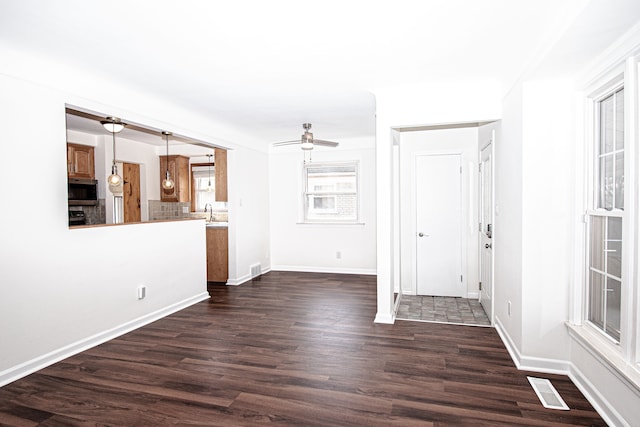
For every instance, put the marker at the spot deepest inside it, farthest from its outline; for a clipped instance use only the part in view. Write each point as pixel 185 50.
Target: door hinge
pixel 480 167
pixel 480 285
pixel 461 278
pixel 461 169
pixel 479 227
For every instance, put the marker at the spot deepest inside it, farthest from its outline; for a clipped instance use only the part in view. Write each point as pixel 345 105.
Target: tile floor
pixel 442 309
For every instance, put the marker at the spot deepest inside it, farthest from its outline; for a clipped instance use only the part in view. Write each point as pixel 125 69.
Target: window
pixel 605 217
pixel 203 187
pixel 331 192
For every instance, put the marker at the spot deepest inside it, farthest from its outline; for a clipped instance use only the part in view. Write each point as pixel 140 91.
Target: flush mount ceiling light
pixel 167 182
pixel 209 187
pixel 113 124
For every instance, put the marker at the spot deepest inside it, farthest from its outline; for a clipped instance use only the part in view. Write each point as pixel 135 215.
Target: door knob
pixel 487 245
pixel 421 234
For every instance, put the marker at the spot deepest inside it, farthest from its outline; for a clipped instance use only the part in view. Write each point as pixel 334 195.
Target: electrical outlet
pixel 509 308
pixel 185 209
pixel 142 291
pixel 338 255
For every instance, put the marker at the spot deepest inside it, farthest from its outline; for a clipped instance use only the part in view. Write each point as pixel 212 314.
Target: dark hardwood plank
pixel 290 349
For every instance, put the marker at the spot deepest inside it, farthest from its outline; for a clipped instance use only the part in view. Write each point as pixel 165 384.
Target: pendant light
pixel 209 186
pixel 167 182
pixel 113 125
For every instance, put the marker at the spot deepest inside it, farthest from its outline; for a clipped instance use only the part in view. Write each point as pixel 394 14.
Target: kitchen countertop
pixel 218 224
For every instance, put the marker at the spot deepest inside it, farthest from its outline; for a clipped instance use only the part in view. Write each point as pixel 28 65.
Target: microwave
pixel 83 192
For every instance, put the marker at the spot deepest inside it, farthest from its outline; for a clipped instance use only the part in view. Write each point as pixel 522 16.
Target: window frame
pixel 305 193
pixel 193 168
pixel 593 210
pixel 623 356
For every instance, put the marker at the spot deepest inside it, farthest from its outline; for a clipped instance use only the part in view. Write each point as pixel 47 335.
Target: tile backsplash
pixel 93 214
pixel 168 210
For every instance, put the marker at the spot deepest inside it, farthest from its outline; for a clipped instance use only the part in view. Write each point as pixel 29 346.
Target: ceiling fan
pixel 306 141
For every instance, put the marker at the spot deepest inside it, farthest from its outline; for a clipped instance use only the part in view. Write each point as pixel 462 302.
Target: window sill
pixel 606 354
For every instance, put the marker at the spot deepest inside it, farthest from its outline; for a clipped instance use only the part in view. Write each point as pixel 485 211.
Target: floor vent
pixel 547 393
pixel 256 270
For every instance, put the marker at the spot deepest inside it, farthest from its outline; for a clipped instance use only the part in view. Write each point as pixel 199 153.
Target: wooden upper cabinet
pixel 80 161
pixel 220 158
pixel 179 170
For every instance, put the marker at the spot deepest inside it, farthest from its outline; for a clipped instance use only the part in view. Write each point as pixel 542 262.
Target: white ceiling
pixel 265 67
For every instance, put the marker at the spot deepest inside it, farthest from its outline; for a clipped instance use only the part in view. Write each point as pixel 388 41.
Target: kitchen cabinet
pixel 220 158
pixel 217 254
pixel 80 161
pixel 179 170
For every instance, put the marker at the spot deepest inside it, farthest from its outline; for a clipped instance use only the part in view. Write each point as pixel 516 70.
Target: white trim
pixel 33 365
pixel 604 408
pixel 246 278
pixel 316 269
pixel 595 398
pixel 388 319
pixel 608 357
pixel 527 363
pixel 473 295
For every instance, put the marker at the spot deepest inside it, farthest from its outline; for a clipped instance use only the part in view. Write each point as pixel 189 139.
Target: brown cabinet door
pixel 220 158
pixel 131 192
pixel 179 170
pixel 217 254
pixel 80 161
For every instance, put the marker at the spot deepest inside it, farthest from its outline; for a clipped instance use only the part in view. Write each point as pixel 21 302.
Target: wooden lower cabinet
pixel 217 254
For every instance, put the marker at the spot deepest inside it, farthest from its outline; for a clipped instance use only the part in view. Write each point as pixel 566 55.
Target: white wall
pixel 534 195
pixel 312 247
pixel 249 203
pixel 507 244
pixel 465 142
pixel 64 290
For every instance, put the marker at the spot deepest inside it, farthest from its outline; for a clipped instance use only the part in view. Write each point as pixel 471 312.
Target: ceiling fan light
pixel 307 141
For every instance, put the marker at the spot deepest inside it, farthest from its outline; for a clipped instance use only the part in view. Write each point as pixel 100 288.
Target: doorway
pixel 462 184
pixel 438 248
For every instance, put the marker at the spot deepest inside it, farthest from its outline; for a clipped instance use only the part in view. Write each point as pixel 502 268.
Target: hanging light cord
pixel 167 162
pixel 113 134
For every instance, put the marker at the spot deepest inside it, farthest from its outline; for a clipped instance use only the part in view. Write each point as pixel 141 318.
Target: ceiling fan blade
pixel 325 143
pixel 277 144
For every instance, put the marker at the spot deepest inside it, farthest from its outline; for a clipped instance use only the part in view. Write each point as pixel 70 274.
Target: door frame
pixel 481 148
pixel 463 214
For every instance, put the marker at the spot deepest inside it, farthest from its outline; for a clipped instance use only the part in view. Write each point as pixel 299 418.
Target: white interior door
pixel 438 225
pixel 486 229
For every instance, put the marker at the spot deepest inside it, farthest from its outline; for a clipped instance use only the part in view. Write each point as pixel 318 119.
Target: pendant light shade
pixel 167 182
pixel 114 125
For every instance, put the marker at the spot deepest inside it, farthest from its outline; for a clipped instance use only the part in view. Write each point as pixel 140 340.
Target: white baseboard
pixel 597 400
pixel 528 363
pixel 473 295
pixel 246 278
pixel 22 370
pixel 335 270
pixel 388 318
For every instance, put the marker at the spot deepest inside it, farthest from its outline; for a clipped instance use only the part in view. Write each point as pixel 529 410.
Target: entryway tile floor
pixel 442 309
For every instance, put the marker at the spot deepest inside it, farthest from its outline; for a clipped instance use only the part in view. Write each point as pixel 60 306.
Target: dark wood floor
pixel 290 349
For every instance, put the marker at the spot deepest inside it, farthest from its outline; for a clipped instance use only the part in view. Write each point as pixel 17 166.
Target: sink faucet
pixel 210 212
